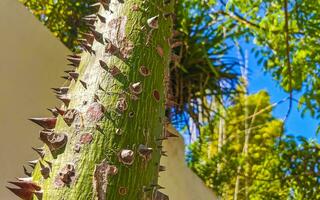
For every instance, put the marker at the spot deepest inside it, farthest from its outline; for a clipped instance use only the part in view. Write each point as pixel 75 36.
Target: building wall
pixel 31 60
pixel 179 181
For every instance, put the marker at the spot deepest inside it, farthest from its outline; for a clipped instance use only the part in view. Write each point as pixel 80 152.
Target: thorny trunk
pixel 105 141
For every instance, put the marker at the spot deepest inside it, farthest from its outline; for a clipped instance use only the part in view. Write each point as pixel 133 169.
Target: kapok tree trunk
pixel 105 141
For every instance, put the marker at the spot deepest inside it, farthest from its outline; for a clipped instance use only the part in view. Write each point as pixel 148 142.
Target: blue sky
pixel 259 79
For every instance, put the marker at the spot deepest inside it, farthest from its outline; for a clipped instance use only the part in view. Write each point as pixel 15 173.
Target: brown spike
pixel 136 88
pixel 64 98
pixel 70 115
pixel 164 153
pixel 27 185
pixel 74 56
pixel 114 71
pixel 153 22
pixel 33 163
pixel 49 164
pixel 85 46
pixel 111 49
pixel 170 133
pixel 47 123
pixel 96 98
pixel 88 37
pixel 98 128
pixel 162 168
pixel 84 84
pixel 161 196
pixel 74 75
pixel 53 111
pixel 25 171
pixel 60 111
pixel 45 171
pixel 126 156
pixel 28 179
pixel 40 151
pixel 103 64
pixel 105 4
pixel 74 60
pixel 97 35
pixel 66 77
pixel 102 18
pixel 145 151
pixel 100 88
pixel 67 71
pixel 61 90
pixel 23 194
pixel 157 186
pixel 162 138
pixel 53 140
pixel 89 19
pixel 95 5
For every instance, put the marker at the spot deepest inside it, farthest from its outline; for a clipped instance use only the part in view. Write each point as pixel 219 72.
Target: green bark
pixel 129 118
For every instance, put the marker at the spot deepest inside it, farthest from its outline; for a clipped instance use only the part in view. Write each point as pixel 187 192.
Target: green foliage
pixel 202 67
pixel 62 17
pixel 268 165
pixel 288 46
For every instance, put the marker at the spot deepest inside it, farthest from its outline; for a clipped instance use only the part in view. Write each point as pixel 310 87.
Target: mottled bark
pixel 106 141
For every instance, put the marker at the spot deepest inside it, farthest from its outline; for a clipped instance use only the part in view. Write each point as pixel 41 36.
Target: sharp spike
pixel 164 153
pixel 28 179
pixel 161 196
pixel 61 90
pixel 88 37
pixel 157 186
pixel 47 123
pixel 153 22
pixel 53 111
pixel 95 5
pixel 102 18
pixel 65 99
pixel 25 171
pixel 33 163
pixel 105 4
pixel 98 36
pixel 74 60
pixel 45 171
pixel 162 168
pixel 23 194
pixel 48 163
pixel 40 151
pixel 84 84
pixel 100 88
pixel 67 71
pixel 103 64
pixel 60 111
pixel 66 77
pixel 74 75
pixel 27 185
pixel 86 47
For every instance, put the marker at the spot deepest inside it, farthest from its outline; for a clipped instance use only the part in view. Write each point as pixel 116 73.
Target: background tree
pixel 268 165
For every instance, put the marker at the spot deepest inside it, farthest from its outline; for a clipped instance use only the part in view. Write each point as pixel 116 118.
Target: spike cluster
pixel 26 189
pixel 82 122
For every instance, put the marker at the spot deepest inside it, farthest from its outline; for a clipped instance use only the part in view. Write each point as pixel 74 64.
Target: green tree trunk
pixel 106 140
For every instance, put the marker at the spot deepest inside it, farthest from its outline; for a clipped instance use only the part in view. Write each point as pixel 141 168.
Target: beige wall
pixel 31 60
pixel 180 182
